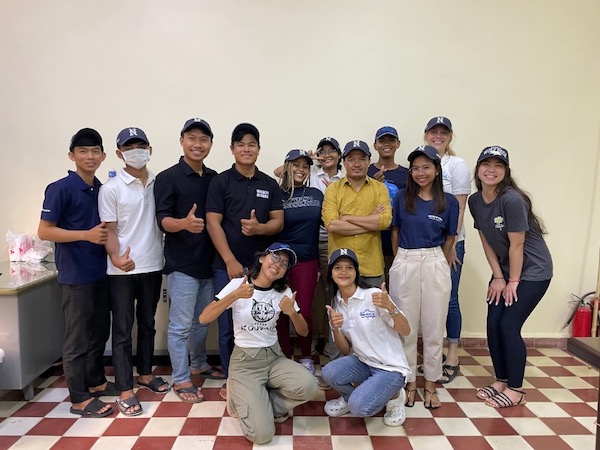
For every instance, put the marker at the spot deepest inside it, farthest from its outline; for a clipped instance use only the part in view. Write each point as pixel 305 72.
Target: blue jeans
pixel 377 386
pixel 454 319
pixel 189 297
pixel 225 322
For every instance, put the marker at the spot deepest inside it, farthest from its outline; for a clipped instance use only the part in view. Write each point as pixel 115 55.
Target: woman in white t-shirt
pixel 366 328
pixel 263 385
pixel 457 181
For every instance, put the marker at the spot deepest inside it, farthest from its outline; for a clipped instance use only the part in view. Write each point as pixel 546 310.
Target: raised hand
pixel 379 176
pixel 193 224
pixel 383 300
pixel 286 304
pixel 336 319
pixel 124 262
pixel 244 290
pixel 98 234
pixel 250 226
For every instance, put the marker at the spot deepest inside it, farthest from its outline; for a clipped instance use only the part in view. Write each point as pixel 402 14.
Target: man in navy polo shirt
pixel 180 193
pixel 70 219
pixel 243 212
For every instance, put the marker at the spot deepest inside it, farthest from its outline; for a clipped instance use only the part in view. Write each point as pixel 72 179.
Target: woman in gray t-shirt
pixel 511 235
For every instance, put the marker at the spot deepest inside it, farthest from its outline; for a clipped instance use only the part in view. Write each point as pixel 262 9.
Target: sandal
pixel 212 373
pixel 92 409
pixel 189 390
pixel 410 401
pixel 449 375
pixel 109 390
pixel 431 394
pixel 502 400
pixel 223 392
pixel 128 405
pixel 155 385
pixel 487 392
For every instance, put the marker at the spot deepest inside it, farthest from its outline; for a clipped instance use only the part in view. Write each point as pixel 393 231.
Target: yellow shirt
pixel 342 199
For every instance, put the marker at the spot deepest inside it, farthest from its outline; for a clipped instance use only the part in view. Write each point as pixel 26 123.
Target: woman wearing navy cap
pixel 511 235
pixel 423 232
pixel 263 385
pixel 457 181
pixel 302 219
pixel 366 327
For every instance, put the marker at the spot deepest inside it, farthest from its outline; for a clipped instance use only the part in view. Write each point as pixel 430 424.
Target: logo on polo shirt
pixel 499 222
pixel 367 314
pixel 435 217
pixel 261 193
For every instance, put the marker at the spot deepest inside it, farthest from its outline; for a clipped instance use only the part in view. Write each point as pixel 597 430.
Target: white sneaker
pixel 395 414
pixel 337 407
pixel 309 364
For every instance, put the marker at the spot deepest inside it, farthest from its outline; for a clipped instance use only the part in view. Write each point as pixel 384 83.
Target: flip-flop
pixel 109 390
pixel 92 410
pixel 431 394
pixel 409 403
pixel 223 392
pixel 155 385
pixel 189 390
pixel 209 374
pixel 449 376
pixel 129 403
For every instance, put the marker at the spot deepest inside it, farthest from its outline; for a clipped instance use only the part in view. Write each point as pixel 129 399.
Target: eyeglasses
pixel 282 262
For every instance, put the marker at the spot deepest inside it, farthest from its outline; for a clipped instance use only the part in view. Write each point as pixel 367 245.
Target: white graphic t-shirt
pixel 255 319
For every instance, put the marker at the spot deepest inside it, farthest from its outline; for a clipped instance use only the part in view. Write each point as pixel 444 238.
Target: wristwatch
pixel 395 311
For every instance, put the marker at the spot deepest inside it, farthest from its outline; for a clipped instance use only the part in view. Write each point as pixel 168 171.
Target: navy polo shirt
pixel 301 221
pixel 397 177
pixel 72 204
pixel 234 195
pixel 424 228
pixel 176 189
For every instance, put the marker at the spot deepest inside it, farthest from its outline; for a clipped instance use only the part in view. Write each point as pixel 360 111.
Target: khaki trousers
pixel 420 286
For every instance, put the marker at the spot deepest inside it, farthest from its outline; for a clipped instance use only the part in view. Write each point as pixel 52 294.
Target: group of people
pixel 243 250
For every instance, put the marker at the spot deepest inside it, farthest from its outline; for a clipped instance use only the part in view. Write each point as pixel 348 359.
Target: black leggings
pixel 504 324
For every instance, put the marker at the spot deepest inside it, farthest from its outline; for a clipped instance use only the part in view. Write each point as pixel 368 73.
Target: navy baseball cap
pixel 494 152
pixel 242 130
pixel 441 120
pixel 280 247
pixel 129 134
pixel 195 122
pixel 424 150
pixel 293 155
pixel 356 145
pixel 331 141
pixel 384 131
pixel 86 137
pixel 342 253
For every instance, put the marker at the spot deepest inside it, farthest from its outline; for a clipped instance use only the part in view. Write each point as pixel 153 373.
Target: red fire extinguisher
pixel 582 322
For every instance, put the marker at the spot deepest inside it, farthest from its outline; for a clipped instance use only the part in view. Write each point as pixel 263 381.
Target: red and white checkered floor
pixel 560 413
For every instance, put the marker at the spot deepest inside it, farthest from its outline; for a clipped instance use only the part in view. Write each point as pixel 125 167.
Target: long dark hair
pixel 332 286
pixel 437 191
pixel 279 285
pixel 535 221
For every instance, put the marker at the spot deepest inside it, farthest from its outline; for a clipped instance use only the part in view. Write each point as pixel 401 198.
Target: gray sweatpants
pixel 264 384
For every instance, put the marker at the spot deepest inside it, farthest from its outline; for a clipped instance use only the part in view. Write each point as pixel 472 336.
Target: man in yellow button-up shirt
pixel 355 210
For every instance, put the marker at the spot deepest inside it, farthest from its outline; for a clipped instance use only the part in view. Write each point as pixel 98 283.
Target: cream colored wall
pixel 523 75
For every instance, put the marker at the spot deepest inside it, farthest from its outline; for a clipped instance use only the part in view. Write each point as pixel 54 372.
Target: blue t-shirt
pixel 396 178
pixel 424 228
pixel 302 218
pixel 72 204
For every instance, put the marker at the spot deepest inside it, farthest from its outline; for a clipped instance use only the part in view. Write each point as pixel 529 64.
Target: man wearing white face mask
pixel 135 262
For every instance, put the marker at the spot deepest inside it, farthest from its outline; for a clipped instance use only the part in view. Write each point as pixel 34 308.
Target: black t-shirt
pixel 176 189
pixel 234 195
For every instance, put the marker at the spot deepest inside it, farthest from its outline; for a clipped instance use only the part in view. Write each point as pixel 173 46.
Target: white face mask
pixel 136 158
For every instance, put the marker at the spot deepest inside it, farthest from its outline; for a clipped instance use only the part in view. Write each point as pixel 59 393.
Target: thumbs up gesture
pixel 251 226
pixel 244 290
pixel 98 234
pixel 379 176
pixel 287 304
pixel 124 262
pixel 192 223
pixel 382 299
pixel 336 319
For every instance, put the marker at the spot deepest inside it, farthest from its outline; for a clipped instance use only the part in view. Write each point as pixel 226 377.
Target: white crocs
pixel 395 414
pixel 337 407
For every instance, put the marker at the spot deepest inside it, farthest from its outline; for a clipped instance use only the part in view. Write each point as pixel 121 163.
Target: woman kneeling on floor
pixel 366 328
pixel 263 385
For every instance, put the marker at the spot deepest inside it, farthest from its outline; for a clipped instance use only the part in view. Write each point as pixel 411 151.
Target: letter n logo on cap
pixel 440 120
pixel 343 251
pixel 356 144
pixel 133 132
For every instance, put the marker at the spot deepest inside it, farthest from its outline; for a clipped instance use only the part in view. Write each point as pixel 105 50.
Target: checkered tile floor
pixel 560 414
